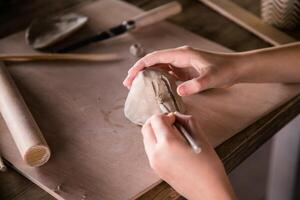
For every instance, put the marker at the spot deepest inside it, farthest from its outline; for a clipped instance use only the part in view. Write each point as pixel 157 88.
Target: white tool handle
pixel 157 14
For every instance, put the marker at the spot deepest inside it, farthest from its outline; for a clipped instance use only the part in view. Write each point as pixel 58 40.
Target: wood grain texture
pixel 231 36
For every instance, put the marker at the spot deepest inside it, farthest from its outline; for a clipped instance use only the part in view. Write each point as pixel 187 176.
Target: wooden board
pixel 96 152
pixel 249 21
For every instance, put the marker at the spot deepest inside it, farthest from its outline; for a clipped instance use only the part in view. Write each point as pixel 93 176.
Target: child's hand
pixel 200 70
pixel 195 176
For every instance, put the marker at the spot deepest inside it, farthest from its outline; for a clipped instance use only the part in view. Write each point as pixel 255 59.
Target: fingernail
pixel 181 91
pixel 130 70
pixel 170 114
pixel 124 82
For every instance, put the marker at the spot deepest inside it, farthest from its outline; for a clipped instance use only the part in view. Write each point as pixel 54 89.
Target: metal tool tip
pixel 197 149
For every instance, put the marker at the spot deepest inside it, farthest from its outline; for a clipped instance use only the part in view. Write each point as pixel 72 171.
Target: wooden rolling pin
pixel 23 128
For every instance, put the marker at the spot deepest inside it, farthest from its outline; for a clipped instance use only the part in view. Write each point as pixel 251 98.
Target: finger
pixel 176 131
pixel 193 86
pixel 190 124
pixel 176 57
pixel 182 118
pixel 162 126
pixel 146 61
pixel 185 120
pixel 132 74
pixel 149 139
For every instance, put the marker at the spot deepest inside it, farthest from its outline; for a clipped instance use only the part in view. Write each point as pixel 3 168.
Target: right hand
pixel 195 176
pixel 200 70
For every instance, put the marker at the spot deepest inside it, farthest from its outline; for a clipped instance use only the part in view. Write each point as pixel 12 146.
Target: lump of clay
pixel 151 87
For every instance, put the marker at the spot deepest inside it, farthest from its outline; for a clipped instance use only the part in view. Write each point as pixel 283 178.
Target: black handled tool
pixel 145 19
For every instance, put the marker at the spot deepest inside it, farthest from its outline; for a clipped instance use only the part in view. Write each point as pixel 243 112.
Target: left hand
pixel 199 70
pixel 195 176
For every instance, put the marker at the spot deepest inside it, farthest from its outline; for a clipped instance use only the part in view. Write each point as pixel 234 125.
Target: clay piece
pixel 137 50
pixel 42 33
pixel 150 88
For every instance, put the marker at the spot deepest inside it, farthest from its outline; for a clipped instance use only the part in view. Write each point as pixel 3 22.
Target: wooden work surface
pixel 215 111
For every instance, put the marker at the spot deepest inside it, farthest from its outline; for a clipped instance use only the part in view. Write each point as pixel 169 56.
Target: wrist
pixel 246 66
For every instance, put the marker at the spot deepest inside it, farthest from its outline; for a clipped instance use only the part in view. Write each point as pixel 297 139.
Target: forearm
pixel 278 64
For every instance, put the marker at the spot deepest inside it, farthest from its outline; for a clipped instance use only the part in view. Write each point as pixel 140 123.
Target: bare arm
pixel 277 64
pixel 195 176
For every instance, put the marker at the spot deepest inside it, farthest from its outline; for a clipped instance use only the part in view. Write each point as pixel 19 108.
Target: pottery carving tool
pixel 195 146
pixel 22 127
pixel 188 137
pixel 59 56
pixel 150 17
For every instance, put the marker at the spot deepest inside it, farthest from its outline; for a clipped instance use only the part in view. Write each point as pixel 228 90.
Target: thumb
pixel 170 118
pixel 162 125
pixel 193 86
pixel 185 120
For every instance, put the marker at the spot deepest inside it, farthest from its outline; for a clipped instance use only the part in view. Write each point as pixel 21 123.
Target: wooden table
pixel 194 18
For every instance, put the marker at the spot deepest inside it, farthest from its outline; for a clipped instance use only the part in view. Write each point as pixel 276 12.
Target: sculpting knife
pixel 195 146
pixel 150 17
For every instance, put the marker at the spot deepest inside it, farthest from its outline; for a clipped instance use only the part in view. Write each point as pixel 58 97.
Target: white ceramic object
pixel 45 32
pixel 281 13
